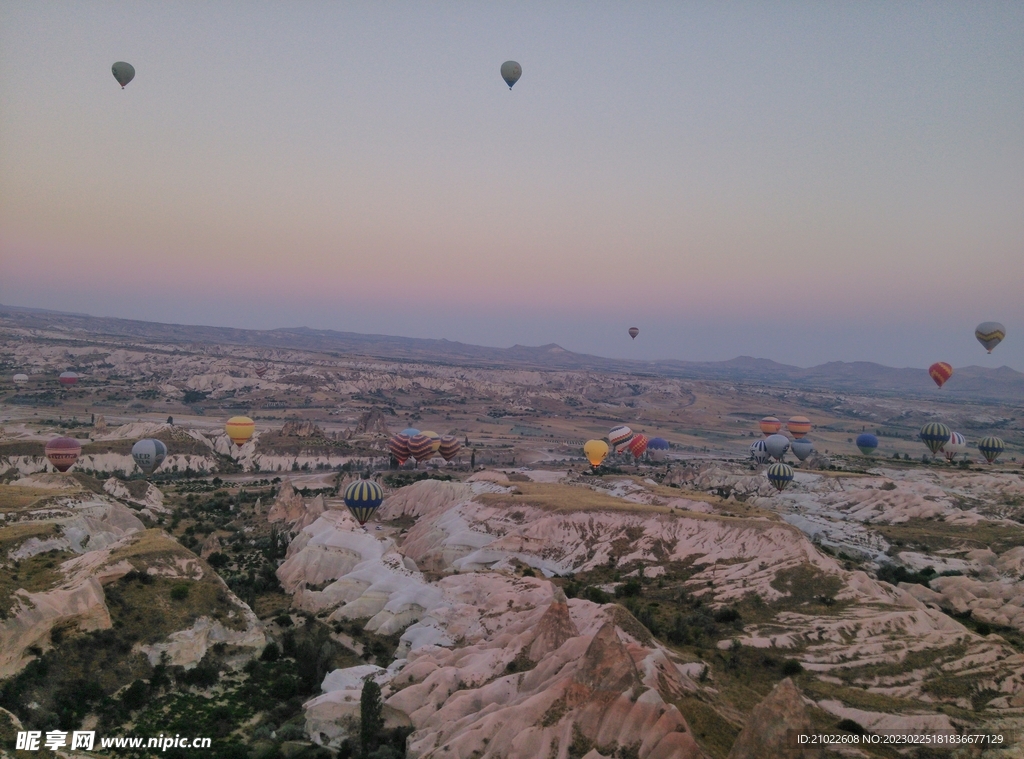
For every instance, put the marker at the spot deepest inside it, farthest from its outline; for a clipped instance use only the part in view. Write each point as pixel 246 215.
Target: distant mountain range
pixel 975 382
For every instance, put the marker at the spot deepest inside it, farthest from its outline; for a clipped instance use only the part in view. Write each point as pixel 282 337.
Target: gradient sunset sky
pixel 800 181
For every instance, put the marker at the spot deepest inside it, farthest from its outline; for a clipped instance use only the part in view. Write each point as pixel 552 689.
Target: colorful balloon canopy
pixel 990 334
pixel 363 498
pixel 633 332
pixel 956 445
pixel 637 445
pixel 123 73
pixel 990 448
pixel 776 445
pixel 67 379
pixel 802 448
pixel 770 425
pixel 867 443
pixel 262 369
pixel 149 454
pixel 398 445
pixel 63 452
pixel 595 451
pixel 940 372
pixel 510 72
pixel 657 448
pixel 450 447
pixel 435 440
pixel 619 435
pixel 780 475
pixel 20 379
pixel 421 447
pixel 798 426
pixel 759 452
pixel 935 435
pixel 240 429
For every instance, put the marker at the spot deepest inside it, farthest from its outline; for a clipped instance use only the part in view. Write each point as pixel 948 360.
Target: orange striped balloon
pixel 421 447
pixel 770 425
pixel 798 426
pixel 940 371
pixel 240 429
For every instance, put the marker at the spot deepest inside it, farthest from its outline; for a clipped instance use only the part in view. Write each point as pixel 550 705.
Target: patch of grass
pixel 806 584
pixel 932 536
pixel 34 574
pixel 858 698
pixel 14 535
pixel 713 732
pixel 15 499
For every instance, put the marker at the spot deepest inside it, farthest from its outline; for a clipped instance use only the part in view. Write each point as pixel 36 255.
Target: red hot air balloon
pixel 262 369
pixel 67 379
pixel 421 447
pixel 63 452
pixel 637 445
pixel 399 447
pixel 633 332
pixel 940 372
pixel 450 447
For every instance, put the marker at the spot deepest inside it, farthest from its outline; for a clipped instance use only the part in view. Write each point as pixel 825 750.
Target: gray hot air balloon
pixel 510 72
pixel 990 334
pixel 777 445
pixel 802 448
pixel 149 454
pixel 123 72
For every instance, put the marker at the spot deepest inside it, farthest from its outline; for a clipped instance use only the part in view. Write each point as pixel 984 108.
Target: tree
pixel 472 460
pixel 371 716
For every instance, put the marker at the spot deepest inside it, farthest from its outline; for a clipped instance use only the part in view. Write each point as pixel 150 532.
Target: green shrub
pixel 179 591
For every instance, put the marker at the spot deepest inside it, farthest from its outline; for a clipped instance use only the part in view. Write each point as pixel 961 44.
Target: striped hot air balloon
pixel 940 372
pixel 867 443
pixel 637 445
pixel 363 498
pixel 657 448
pixel 956 445
pixel 435 440
pixel 633 332
pixel 935 435
pixel 398 444
pixel 450 447
pixel 798 426
pixel 595 451
pixel 421 447
pixel 619 435
pixel 990 448
pixel 240 429
pixel 759 452
pixel 780 475
pixel 63 452
pixel 990 334
pixel 770 425
pixel 67 379
pixel 261 369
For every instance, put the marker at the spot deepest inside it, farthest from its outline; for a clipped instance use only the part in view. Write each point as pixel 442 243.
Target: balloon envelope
pixel 450 447
pixel 63 452
pixel 123 73
pixel 956 445
pixel 637 445
pixel 990 334
pixel 435 440
pixel 940 372
pixel 657 448
pixel 20 379
pixel 240 429
pixel 770 425
pixel 780 475
pixel 759 452
pixel 510 72
pixel 410 431
pixel 867 443
pixel 798 426
pixel 802 448
pixel 363 498
pixel 149 454
pixel 68 379
pixel 776 445
pixel 935 435
pixel 619 435
pixel 398 445
pixel 633 332
pixel 595 451
pixel 990 448
pixel 421 447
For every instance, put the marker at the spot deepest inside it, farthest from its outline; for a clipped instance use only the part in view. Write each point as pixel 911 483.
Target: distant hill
pixel 971 382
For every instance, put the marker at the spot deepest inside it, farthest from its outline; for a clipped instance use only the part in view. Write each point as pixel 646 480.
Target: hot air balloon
pixel 262 369
pixel 20 379
pixel 798 426
pixel 633 332
pixel 149 454
pixel 421 447
pixel 63 452
pixel 776 445
pixel 510 72
pixel 940 372
pixel 410 432
pixel 935 435
pixel 759 452
pixel 770 425
pixel 399 447
pixel 123 73
pixel 802 448
pixel 595 451
pixel 240 429
pixel 637 445
pixel 867 443
pixel 450 447
pixel 619 436
pixel 657 448
pixel 956 445
pixel 990 334
pixel 435 440
pixel 990 448
pixel 780 475
pixel 67 379
pixel 363 498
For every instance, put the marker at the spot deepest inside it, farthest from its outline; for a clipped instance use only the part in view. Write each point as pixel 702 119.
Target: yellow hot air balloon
pixel 435 440
pixel 595 451
pixel 240 429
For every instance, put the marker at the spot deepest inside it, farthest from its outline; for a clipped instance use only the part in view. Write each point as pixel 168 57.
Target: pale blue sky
pixel 799 181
